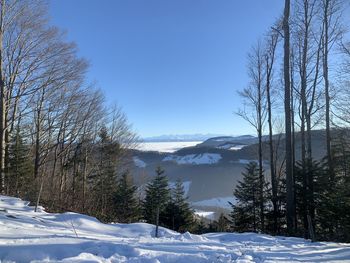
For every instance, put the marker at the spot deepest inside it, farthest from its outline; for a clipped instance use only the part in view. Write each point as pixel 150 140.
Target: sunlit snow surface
pixel 168 147
pixel 26 236
pixel 194 159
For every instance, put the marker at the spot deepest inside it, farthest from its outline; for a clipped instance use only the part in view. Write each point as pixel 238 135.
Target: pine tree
pixel 157 199
pixel 126 206
pixel 332 194
pixel 222 224
pixel 246 212
pixel 104 180
pixel 199 227
pixel 305 203
pixel 20 168
pixel 179 215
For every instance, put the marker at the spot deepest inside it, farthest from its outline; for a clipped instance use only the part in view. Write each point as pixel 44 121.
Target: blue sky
pixel 174 66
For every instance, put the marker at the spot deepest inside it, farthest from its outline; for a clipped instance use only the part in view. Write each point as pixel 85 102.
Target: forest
pixel 299 83
pixel 62 146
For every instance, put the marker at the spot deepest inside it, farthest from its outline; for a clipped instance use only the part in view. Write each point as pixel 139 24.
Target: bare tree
pixel 287 111
pixel 255 99
pixel 306 50
pixel 272 41
pixel 331 20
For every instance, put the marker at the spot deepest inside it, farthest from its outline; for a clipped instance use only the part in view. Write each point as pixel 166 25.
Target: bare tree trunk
pixel 85 178
pixel 157 221
pixel 39 193
pixel 261 174
pixel 293 135
pixel 38 134
pixel 287 110
pixel 310 182
pixel 272 164
pixel 326 86
pixel 254 95
pixel 302 133
pixel 2 102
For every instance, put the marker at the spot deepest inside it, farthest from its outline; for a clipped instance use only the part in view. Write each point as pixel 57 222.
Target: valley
pixel 209 169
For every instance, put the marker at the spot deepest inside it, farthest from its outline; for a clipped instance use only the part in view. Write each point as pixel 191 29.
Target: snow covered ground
pixel 194 159
pixel 231 147
pixel 26 236
pixel 168 147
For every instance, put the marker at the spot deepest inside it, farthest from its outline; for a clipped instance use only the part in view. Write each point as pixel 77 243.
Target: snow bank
pixel 27 236
pixel 194 159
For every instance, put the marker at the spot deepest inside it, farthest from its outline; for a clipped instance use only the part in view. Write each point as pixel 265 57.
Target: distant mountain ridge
pixel 192 137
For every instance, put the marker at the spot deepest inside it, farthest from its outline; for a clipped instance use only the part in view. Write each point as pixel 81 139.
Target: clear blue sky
pixel 174 66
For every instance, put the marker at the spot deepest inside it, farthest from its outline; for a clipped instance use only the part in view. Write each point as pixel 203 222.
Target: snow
pixel 222 202
pixel 237 147
pixel 186 185
pixel 231 147
pixel 168 147
pixel 138 162
pixel 27 236
pixel 205 214
pixel 195 159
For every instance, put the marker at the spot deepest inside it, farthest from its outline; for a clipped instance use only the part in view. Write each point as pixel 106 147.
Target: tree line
pixel 298 90
pixel 60 145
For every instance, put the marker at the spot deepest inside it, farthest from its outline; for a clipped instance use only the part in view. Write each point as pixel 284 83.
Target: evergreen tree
pixel 179 215
pixel 104 180
pixel 246 212
pixel 304 194
pixel 157 199
pixel 20 168
pixel 199 227
pixel 222 224
pixel 127 208
pixel 332 195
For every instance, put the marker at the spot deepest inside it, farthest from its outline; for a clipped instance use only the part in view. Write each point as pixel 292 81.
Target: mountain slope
pixel 214 166
pixel 27 236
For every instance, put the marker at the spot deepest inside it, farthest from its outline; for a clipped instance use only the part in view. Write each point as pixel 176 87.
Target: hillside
pixel 213 168
pixel 27 236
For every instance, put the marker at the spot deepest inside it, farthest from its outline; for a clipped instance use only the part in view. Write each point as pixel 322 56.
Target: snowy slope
pixel 194 159
pixel 26 236
pixel 138 162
